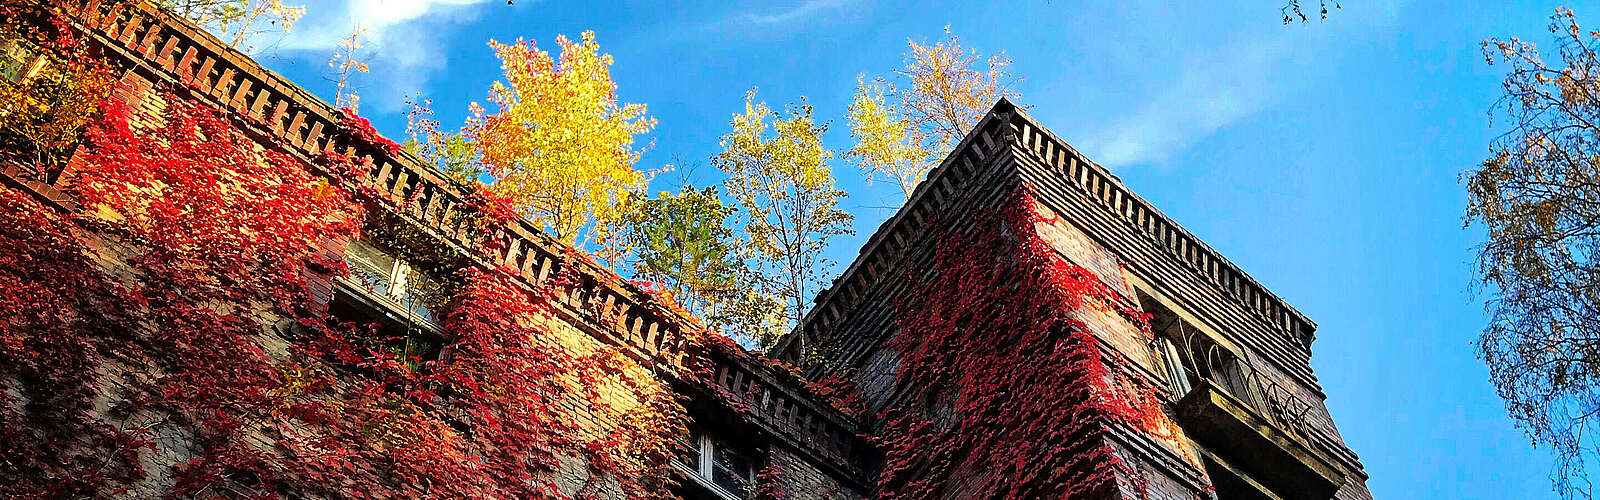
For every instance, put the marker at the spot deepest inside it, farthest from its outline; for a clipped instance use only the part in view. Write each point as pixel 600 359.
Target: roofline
pixel 1013 115
pixel 1020 113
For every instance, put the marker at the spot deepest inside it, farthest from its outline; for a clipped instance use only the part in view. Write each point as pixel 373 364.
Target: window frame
pixel 397 284
pixel 703 473
pixel 30 61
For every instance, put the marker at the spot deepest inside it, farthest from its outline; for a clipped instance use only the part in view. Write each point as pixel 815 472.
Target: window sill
pixel 693 478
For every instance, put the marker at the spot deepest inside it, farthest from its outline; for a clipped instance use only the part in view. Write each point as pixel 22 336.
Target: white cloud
pixel 328 23
pixel 1212 91
pixel 800 12
pixel 398 41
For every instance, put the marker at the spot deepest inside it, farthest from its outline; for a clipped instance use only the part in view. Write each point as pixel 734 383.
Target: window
pixel 1172 361
pixel 1191 357
pixel 394 298
pixel 714 465
pixel 18 62
pixel 393 280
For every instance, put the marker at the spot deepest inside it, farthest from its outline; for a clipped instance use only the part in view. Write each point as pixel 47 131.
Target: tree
pixel 885 143
pixel 236 21
pixel 559 144
pixel 778 173
pixel 683 243
pixel 348 61
pixel 902 132
pixel 754 317
pixel 48 96
pixel 1538 196
pixel 450 152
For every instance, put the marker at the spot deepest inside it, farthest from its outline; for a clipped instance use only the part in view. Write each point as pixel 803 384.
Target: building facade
pixel 223 286
pixel 1202 374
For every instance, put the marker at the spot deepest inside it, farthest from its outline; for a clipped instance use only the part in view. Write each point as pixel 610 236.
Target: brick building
pixel 1177 375
pixel 1224 358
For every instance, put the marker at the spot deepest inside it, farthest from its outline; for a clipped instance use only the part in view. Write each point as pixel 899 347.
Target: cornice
pixel 1006 126
pixel 162 47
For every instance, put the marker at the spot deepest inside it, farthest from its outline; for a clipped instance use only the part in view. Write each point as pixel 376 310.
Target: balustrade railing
pixel 157 46
pixel 1241 378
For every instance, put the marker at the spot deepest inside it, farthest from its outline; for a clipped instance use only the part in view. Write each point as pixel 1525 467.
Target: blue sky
pixel 1322 158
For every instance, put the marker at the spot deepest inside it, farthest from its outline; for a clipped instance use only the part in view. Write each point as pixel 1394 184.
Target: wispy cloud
pixel 396 38
pixel 1188 84
pixel 804 11
pixel 1212 90
pixel 328 23
pixel 768 21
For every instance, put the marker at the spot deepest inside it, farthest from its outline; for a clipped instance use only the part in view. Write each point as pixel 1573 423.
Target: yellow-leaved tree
pixel 559 144
pixel 778 173
pixel 885 143
pixel 904 126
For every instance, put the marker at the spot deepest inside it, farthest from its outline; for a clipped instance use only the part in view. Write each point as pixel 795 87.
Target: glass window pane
pixel 1175 370
pixel 423 294
pixel 731 470
pixel 691 450
pixel 370 267
pixel 14 60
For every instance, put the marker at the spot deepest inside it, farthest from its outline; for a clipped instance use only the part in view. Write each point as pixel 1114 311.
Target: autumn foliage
pixel 179 314
pixel 60 320
pixel 780 176
pixel 1535 199
pixel 903 126
pixel 45 106
pixel 559 144
pixel 1029 420
pixel 140 326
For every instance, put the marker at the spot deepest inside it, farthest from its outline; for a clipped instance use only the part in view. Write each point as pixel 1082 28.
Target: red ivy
pixel 1007 394
pixel 768 483
pixel 211 236
pixel 221 231
pixel 361 130
pixel 222 235
pixel 54 336
pixel 840 392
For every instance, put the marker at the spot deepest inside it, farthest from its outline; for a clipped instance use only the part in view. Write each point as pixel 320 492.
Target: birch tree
pixel 904 126
pixel 1538 196
pixel 779 174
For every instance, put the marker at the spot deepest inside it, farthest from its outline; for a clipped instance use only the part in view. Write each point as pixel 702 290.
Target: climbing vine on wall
pixel 512 369
pixel 220 231
pixel 841 393
pixel 1004 387
pixel 59 320
pixel 138 326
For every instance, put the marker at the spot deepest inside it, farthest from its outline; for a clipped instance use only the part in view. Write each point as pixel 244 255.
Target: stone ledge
pixel 1228 428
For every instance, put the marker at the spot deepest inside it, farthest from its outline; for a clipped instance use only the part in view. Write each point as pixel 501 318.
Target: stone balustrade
pixel 155 46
